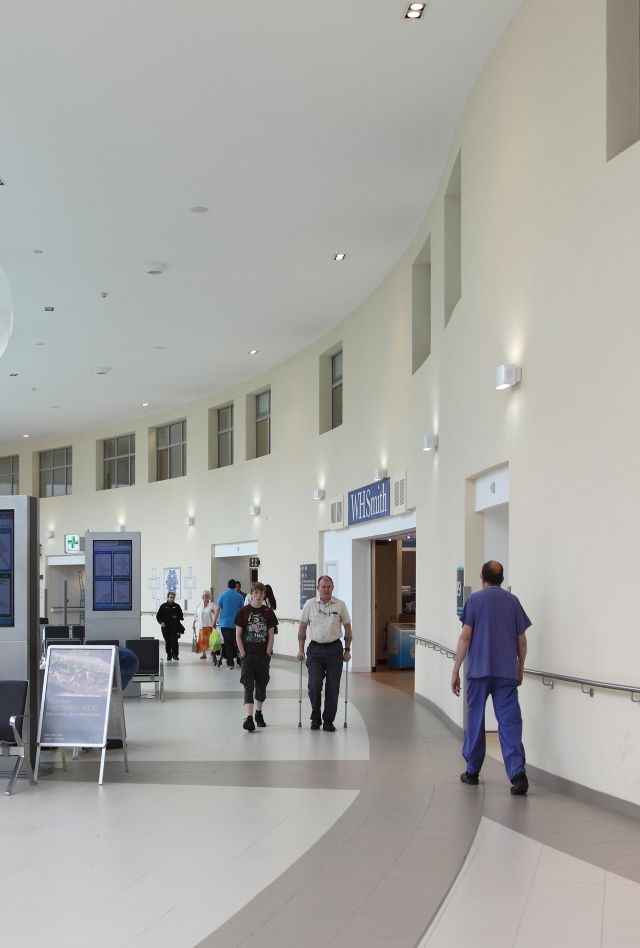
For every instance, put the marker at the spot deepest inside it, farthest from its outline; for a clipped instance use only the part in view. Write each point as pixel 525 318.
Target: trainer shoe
pixel 328 726
pixel 471 779
pixel 248 724
pixel 315 725
pixel 520 785
pixel 260 721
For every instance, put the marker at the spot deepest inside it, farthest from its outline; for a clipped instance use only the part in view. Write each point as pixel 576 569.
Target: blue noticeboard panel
pixel 7 560
pixel 112 576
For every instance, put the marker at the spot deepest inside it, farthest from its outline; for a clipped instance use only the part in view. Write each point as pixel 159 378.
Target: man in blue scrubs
pixel 493 636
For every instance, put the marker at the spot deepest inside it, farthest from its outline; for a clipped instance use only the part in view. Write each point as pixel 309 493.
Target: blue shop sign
pixel 370 502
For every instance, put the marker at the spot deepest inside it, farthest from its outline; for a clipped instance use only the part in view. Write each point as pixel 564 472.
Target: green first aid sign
pixel 71 543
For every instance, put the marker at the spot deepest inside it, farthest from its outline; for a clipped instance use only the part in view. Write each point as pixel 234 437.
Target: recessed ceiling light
pixel 49 309
pixel 39 343
pixel 154 269
pixel 25 436
pixel 103 370
pixel 412 15
pixel 54 406
pixel 199 209
pixel 38 251
pixel 253 352
pixel 159 347
pixel 146 404
pixel 13 375
pixel 1 182
pixel 339 257
pixel 417 6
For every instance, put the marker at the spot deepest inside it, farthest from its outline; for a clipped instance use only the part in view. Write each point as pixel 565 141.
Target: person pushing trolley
pixel 324 616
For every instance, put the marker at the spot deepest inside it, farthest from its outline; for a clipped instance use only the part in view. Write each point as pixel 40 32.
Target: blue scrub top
pixel 497 619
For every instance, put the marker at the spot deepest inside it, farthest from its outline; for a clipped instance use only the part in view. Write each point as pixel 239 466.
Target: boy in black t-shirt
pixel 254 634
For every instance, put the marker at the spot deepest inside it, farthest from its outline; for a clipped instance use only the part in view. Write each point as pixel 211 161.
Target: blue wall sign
pixel 370 502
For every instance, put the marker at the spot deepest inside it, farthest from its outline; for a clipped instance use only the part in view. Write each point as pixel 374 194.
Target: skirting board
pixel 588 794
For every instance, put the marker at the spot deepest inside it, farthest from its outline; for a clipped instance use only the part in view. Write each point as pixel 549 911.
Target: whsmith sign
pixel 370 502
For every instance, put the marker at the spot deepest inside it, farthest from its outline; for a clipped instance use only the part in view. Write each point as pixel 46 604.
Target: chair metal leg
pixel 14 777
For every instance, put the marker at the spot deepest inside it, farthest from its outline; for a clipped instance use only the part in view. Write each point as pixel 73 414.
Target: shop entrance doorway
pixel 393 609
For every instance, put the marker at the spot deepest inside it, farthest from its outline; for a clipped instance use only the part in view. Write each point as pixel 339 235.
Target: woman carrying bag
pixel 203 623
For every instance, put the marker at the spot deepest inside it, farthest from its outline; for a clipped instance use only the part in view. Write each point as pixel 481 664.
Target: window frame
pixel 336 383
pixel 166 448
pixel 220 432
pixel 13 475
pixel 51 468
pixel 130 456
pixel 260 419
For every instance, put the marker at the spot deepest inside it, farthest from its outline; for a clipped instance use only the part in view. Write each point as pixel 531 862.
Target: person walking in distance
pixel 203 623
pixel 324 616
pixel 493 636
pixel 254 635
pixel 170 617
pixel 228 604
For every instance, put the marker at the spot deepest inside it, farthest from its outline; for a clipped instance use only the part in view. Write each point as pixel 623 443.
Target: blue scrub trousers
pixel 504 693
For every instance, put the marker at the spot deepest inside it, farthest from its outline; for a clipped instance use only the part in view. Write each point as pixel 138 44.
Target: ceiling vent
pixel 399 493
pixel 337 512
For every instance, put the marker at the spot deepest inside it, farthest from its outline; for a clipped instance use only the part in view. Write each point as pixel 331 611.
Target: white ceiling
pixel 305 128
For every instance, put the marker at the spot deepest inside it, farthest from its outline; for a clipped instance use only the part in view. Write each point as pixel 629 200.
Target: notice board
pixel 76 696
pixel 308 580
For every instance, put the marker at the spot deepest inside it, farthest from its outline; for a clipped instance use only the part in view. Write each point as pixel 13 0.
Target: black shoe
pixel 328 726
pixel 520 785
pixel 260 721
pixel 168 658
pixel 114 743
pixel 248 724
pixel 315 725
pixel 176 658
pixel 471 779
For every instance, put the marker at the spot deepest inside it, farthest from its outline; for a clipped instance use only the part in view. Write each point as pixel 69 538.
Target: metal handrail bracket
pixel 587 686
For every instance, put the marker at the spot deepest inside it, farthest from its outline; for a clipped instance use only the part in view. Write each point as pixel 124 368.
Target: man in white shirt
pixel 324 616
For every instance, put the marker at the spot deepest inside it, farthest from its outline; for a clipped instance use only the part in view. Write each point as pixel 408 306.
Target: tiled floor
pixel 288 837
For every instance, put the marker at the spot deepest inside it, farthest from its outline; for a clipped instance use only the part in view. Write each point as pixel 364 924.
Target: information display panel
pixel 7 567
pixel 112 576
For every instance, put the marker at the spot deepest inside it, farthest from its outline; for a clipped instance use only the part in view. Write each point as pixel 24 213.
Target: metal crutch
pixel 346 691
pixel 300 697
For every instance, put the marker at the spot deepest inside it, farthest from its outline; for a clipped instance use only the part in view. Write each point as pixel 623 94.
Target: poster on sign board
pixel 76 696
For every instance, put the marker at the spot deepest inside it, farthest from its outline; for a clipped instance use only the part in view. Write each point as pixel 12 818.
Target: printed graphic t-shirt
pixel 255 628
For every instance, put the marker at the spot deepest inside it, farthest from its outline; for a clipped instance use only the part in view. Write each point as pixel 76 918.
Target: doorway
pixel 393 610
pixel 237 561
pixel 487 538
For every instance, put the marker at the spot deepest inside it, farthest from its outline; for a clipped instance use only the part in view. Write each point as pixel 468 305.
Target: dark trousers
pixel 170 637
pixel 229 645
pixel 255 676
pixel 324 663
pixel 504 693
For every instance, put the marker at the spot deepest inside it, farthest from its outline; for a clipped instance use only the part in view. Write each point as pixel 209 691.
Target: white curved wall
pixel 550 244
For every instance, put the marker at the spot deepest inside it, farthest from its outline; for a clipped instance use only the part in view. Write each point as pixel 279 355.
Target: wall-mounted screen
pixel 7 560
pixel 112 576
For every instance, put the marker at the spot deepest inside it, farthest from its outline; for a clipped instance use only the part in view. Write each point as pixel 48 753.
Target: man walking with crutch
pixel 324 616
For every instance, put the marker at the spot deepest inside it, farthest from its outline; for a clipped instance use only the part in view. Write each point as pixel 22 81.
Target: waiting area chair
pixel 151 666
pixel 14 696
